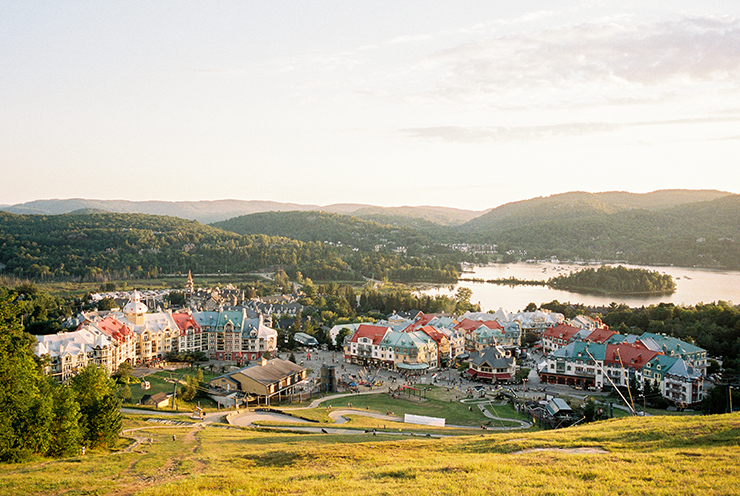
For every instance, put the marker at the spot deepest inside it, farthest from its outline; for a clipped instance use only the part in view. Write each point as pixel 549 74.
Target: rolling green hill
pixel 580 205
pixel 678 227
pixel 581 226
pixel 324 227
pixel 104 246
pixel 218 210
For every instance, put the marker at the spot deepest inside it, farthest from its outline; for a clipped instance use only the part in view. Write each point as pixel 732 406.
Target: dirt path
pixel 132 480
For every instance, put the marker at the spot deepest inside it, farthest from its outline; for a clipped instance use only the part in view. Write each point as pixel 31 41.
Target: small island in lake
pixel 604 280
pixel 615 281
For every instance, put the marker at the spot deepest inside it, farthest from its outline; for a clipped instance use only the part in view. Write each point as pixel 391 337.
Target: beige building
pixel 264 382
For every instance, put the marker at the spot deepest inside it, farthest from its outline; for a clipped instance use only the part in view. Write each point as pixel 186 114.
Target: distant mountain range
pixel 218 210
pixel 679 227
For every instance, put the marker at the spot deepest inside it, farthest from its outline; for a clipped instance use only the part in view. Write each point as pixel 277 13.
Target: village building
pixel 624 361
pixel 492 364
pixel 443 356
pixel 558 336
pixel 408 351
pixel 70 352
pixel 191 338
pixel 678 381
pixel 695 356
pixel 233 336
pixel 364 347
pixel 264 383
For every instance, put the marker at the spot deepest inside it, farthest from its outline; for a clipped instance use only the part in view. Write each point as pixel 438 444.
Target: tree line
pixel 39 416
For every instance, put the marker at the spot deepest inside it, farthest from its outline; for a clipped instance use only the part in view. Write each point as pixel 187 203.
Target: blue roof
pixel 579 349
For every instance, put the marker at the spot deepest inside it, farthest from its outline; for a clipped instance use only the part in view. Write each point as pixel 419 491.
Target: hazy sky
pixel 466 104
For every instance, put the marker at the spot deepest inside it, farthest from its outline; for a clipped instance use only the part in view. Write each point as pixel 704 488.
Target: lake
pixel 692 286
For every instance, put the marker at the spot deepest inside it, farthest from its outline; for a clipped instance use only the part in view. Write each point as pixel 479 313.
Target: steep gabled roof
pixel 581 350
pixel 493 357
pixel 632 355
pixel 471 325
pixel 562 331
pixel 185 321
pixel 600 335
pixel 113 328
pixel 670 345
pixel 433 333
pixel 374 332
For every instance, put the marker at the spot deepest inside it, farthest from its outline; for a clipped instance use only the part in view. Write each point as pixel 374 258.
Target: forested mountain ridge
pixel 325 227
pixel 218 210
pixel 578 204
pixel 662 227
pixel 705 234
pixel 102 246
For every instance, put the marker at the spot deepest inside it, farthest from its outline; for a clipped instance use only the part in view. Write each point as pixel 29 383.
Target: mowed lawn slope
pixel 629 456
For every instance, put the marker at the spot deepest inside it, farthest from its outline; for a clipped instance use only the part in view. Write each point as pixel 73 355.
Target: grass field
pixel 439 403
pixel 650 455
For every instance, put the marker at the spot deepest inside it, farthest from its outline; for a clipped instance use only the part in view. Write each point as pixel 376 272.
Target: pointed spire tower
pixel 190 286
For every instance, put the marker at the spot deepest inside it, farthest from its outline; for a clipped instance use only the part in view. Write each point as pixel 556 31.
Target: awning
pixel 412 366
pixel 485 375
pixel 472 372
pixel 503 377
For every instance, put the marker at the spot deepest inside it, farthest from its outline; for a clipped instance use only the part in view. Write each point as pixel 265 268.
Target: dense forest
pixel 108 246
pixel 615 281
pixel 577 226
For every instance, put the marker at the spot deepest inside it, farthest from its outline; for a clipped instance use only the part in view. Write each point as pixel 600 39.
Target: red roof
pixel 423 320
pixel 632 355
pixel 471 325
pixel 114 328
pixel 433 333
pixel 185 321
pixel 374 332
pixel 600 335
pixel 561 331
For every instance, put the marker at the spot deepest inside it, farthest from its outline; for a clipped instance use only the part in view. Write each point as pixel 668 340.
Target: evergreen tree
pixel 106 420
pixel 99 406
pixel 65 433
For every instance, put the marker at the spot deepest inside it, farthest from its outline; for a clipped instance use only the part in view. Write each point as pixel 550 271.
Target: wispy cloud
pixel 461 134
pixel 597 62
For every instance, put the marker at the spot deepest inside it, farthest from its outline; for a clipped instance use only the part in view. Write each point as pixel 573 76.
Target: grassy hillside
pixel 654 455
